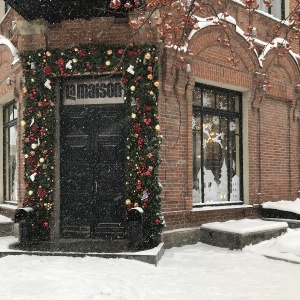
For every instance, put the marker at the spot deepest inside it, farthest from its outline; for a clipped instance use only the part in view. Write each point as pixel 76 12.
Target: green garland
pixel 139 68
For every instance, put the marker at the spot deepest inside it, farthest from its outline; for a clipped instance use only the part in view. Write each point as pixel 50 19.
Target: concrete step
pixel 291 222
pixel 86 247
pixel 272 213
pixel 6 226
pixel 236 234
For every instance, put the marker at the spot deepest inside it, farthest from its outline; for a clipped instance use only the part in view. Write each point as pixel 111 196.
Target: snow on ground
pixel 187 273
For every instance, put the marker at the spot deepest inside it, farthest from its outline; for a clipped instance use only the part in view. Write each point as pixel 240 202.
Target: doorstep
pixel 236 234
pixel 68 248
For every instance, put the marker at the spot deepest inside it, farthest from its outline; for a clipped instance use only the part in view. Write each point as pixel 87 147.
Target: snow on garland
pixel 139 68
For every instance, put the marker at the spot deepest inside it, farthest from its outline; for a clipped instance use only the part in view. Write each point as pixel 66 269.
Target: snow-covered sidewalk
pixel 191 272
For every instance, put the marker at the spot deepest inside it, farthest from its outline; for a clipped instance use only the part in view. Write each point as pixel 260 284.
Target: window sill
pixel 210 207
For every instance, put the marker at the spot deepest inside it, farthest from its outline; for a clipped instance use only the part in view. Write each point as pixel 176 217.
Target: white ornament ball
pixel 34 146
pixel 133 115
pixel 30 193
pixel 132 88
pixel 42 160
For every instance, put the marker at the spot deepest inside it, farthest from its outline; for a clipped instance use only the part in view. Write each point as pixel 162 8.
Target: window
pixel 217 145
pixel 277 10
pixel 10 152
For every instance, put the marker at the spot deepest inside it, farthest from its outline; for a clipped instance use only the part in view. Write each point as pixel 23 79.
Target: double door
pixel 92 171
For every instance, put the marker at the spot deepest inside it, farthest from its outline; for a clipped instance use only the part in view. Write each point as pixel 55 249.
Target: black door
pixel 92 166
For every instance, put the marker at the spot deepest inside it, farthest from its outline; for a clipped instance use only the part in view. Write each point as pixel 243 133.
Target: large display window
pixel 217 145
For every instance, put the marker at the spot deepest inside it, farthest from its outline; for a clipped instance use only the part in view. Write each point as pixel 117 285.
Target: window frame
pixel 268 10
pixel 7 124
pixel 201 111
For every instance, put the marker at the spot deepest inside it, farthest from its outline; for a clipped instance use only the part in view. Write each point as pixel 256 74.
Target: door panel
pixel 92 158
pixel 109 174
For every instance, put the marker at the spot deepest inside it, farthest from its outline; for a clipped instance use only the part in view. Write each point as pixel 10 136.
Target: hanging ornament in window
pixel 232 126
pixel 193 123
pixel 206 100
pixel 216 120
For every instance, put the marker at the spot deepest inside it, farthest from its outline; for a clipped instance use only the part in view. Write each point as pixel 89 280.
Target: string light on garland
pixel 139 69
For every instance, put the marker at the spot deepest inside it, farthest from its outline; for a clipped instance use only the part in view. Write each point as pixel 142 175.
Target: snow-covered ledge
pixel 5 41
pixel 206 208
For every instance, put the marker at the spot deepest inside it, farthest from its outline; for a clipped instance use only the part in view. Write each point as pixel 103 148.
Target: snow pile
pixel 286 247
pixel 285 205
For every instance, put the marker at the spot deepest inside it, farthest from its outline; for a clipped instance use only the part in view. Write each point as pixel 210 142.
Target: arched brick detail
pixel 208 37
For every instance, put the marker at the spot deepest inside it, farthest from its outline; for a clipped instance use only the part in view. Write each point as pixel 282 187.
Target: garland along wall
pixel 42 69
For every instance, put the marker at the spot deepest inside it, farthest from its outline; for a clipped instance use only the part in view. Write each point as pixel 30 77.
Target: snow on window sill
pixel 217 207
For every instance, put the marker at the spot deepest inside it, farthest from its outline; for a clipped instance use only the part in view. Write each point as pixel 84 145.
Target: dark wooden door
pixel 92 166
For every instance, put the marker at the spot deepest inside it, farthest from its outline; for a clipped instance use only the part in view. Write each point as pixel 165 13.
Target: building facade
pixel 229 120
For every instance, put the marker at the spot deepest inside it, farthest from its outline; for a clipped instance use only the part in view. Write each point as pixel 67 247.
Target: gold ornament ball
pixel 127 201
pixel 109 52
pixel 136 204
pixel 74 60
pixel 23 123
pixel 133 116
pixel 24 90
pixel 132 88
pixel 107 63
pixel 48 53
pixel 157 128
pixel 25 155
pixel 147 55
pixel 156 84
pixel 32 80
pixel 42 160
pixel 150 77
pixel 30 193
pixel 33 146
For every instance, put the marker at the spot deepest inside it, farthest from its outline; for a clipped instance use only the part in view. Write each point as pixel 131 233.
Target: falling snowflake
pixel 216 120
pixel 193 123
pixel 232 126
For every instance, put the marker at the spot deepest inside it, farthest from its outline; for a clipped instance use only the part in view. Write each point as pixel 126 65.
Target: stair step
pixel 292 223
pixel 78 245
pixel 279 214
pixel 236 234
pixel 6 226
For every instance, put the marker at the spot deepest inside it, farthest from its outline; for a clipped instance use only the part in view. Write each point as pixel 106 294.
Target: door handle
pixel 96 186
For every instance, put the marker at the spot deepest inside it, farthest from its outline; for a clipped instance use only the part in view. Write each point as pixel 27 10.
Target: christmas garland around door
pixel 42 70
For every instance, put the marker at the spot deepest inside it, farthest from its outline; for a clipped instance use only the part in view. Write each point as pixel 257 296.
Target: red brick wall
pixel 273 125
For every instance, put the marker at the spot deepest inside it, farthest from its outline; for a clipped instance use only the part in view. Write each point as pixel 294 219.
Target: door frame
pixel 56 233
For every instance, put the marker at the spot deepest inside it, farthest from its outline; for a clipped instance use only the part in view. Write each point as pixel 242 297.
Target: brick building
pixel 230 138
